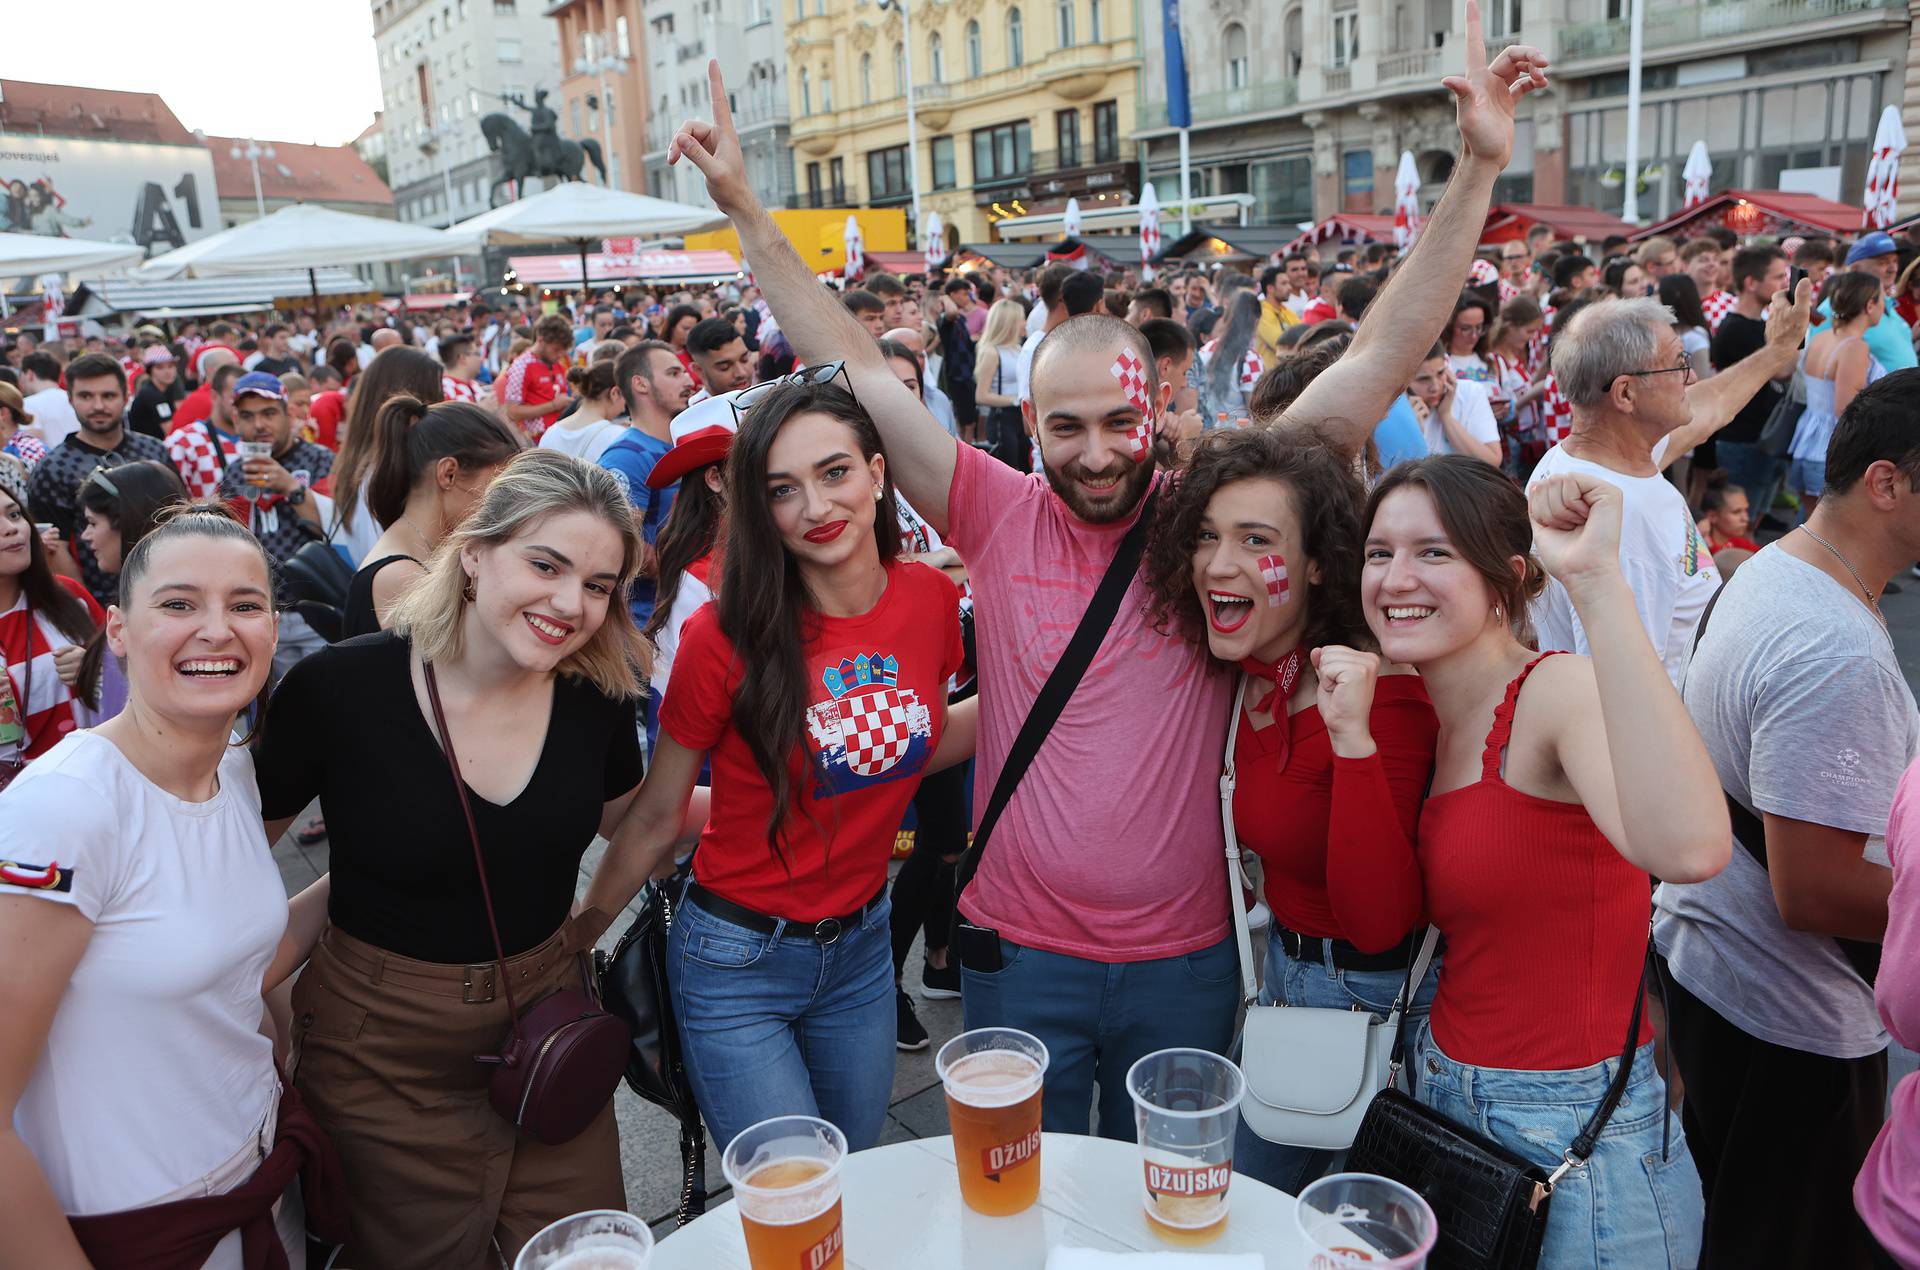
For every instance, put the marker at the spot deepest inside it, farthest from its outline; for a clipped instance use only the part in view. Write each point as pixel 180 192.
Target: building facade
pixel 749 39
pixel 1786 94
pixel 1020 106
pixel 443 65
pixel 604 92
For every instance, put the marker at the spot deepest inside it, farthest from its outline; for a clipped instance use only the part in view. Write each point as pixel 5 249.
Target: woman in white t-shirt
pixel 1466 337
pixel 143 919
pixel 598 421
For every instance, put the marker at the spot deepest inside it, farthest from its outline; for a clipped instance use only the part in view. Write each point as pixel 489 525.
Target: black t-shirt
pixel 276 365
pixel 345 725
pixel 1738 338
pixel 151 413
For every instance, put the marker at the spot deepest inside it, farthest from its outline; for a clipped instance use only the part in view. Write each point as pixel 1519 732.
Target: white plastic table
pixel 902 1208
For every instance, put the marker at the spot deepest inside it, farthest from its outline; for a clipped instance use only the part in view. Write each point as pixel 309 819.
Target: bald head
pixel 908 336
pixel 385 337
pixel 1091 333
pixel 216 357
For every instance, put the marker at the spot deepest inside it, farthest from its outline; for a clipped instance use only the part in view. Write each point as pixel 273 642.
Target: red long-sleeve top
pixel 1336 835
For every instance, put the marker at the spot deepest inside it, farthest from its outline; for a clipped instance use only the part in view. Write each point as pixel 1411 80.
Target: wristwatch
pixel 297 495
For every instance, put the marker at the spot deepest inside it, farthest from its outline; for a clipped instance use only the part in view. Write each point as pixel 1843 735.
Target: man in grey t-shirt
pixel 1801 701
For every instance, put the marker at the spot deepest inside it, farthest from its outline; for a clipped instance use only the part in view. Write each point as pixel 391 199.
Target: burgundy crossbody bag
pixel 562 1059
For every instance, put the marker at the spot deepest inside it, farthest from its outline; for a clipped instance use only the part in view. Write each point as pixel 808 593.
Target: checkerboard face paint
pixel 1273 572
pixel 1132 374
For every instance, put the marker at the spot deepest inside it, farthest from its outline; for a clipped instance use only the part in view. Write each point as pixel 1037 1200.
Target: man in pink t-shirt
pixel 1105 877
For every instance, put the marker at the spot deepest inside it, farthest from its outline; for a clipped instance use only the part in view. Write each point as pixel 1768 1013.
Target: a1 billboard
pixel 159 196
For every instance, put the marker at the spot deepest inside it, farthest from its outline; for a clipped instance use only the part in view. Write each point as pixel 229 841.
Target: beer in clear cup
pixel 993 1077
pixel 785 1175
pixel 604 1239
pixel 1356 1221
pixel 1186 1107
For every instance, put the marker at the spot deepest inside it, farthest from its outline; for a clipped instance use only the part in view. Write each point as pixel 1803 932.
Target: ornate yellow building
pixel 1019 105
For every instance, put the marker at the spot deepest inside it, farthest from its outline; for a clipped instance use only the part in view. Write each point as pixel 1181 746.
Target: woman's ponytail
pixel 389 475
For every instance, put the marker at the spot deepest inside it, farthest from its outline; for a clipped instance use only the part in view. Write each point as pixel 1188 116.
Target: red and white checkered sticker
pixel 1273 572
pixel 877 729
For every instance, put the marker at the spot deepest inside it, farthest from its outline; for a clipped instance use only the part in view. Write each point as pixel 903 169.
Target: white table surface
pixel 902 1209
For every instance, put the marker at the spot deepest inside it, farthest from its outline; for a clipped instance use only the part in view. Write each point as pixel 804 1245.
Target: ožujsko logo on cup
pixel 993 1077
pixel 785 1174
pixel 1186 1107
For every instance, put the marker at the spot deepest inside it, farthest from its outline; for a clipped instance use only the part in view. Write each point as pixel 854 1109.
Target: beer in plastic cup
pixel 785 1174
pixel 605 1239
pixel 993 1077
pixel 1356 1221
pixel 1186 1107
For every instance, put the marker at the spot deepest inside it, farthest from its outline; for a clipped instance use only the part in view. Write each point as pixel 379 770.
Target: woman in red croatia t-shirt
pixel 816 682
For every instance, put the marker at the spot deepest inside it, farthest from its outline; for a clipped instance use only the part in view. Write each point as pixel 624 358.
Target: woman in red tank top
pixel 1560 784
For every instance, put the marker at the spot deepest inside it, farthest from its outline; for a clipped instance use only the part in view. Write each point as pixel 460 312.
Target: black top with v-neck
pixel 345 725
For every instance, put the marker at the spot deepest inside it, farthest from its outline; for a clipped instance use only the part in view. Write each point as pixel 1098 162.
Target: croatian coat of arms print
pixel 870 730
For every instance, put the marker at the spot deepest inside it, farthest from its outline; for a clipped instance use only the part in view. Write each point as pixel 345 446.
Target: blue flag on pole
pixel 1179 111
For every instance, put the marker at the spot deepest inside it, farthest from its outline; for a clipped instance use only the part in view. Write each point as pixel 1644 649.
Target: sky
pixel 270 69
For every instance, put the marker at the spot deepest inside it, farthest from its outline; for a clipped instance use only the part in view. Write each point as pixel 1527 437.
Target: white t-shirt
pixel 53 415
pixel 688 595
pixel 155 1071
pixel 1026 364
pixel 587 442
pixel 1668 566
pixel 1471 410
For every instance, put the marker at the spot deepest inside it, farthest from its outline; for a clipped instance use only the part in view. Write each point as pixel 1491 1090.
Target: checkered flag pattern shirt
pixel 201 458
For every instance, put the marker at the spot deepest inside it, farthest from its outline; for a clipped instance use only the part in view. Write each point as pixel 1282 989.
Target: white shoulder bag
pixel 1311 1071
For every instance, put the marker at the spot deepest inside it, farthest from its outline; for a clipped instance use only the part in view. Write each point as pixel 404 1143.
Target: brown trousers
pixel 383 1050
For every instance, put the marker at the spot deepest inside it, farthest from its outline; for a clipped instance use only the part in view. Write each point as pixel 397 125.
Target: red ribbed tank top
pixel 1546 923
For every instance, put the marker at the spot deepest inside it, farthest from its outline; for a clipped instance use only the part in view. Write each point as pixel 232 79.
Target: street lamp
pixel 253 152
pixel 603 61
pixel 913 133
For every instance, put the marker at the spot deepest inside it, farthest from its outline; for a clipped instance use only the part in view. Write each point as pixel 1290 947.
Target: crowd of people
pixel 1435 552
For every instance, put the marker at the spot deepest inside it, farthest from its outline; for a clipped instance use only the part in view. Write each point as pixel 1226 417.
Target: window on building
pixel 1617 10
pixel 944 176
pixel 887 173
pixel 1002 153
pixel 826 92
pixel 837 178
pixel 1503 18
pixel 1282 190
pixel 573 113
pixel 1356 176
pixel 1063 23
pixel 622 41
pixel 1016 39
pixel 806 92
pixel 1346 37
pixel 899 69
pixel 503 8
pixel 1106 132
pixel 1095 29
pixel 973 50
pixel 506 49
pixel 1066 137
pixel 1293 42
pixel 936 59
pixel 813 184
pixel 473 100
pixel 866 78
pixel 1236 46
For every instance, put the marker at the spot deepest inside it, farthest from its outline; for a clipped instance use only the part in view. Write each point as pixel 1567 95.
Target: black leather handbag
pixel 318 576
pixel 633 986
pixel 1491 1202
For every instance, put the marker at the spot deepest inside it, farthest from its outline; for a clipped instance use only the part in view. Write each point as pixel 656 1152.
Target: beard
pixel 1117 505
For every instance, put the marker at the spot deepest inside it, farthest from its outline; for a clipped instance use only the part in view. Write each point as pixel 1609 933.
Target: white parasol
pixel 935 245
pixel 1698 175
pixel 1149 228
pixel 1406 202
pixel 856 249
pixel 1883 172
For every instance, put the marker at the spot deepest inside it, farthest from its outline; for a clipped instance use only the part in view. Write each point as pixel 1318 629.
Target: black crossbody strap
pixel 1064 678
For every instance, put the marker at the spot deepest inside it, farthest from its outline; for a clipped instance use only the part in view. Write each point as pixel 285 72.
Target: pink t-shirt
pixel 1111 847
pixel 1887 1192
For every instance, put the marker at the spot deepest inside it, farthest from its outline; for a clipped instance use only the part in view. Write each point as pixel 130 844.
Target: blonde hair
pixel 1006 325
pixel 536 484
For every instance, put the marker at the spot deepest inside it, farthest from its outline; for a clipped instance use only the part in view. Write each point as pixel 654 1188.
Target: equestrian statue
pixel 536 150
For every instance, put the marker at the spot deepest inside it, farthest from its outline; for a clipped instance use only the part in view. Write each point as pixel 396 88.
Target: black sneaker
pixel 940 985
pixel 908 1034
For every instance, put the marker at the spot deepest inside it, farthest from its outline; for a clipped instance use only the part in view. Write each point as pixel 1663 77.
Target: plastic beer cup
pixel 1186 1107
pixel 993 1077
pixel 1356 1221
pixel 604 1239
pixel 785 1174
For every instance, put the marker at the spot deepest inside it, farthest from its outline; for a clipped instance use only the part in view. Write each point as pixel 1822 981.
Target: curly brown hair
pixel 1327 498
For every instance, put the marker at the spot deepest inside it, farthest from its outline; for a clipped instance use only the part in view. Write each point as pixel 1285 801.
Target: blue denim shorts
pixel 1629 1208
pixel 1807 476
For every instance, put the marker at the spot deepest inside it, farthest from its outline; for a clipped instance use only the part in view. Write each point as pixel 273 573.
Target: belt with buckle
pixel 825 931
pixel 1313 949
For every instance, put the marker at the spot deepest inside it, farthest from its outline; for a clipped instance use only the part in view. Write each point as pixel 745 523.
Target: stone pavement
pixel 649 1138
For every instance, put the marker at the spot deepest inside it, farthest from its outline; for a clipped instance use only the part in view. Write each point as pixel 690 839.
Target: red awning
pixel 642 266
pixel 1507 222
pixel 900 262
pixel 416 301
pixel 1748 212
pixel 1347 227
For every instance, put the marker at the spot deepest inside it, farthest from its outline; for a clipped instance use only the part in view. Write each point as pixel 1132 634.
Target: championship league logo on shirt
pixel 870 730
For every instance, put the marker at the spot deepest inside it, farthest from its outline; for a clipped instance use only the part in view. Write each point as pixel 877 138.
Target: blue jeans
pixel 1628 1209
pixel 1304 983
pixel 1753 470
pixel 780 1025
pixel 1097 1018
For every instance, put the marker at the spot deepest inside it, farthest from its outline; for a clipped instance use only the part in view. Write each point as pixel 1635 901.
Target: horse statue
pixel 536 151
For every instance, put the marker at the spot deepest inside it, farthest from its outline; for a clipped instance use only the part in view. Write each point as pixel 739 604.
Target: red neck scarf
pixel 1275 681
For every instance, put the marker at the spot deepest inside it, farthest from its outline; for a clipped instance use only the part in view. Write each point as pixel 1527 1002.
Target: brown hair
pixel 596 379
pixel 1326 498
pixel 393 372
pixel 1485 516
pixel 1848 295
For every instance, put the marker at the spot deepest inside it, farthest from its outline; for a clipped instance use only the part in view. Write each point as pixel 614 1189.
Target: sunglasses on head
pixel 813 376
pixel 99 477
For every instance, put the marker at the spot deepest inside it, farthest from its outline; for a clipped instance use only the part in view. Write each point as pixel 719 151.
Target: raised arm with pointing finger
pixel 1353 395
pixel 919 450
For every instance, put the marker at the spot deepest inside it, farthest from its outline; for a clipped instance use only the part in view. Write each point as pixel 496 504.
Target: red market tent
pixel 644 266
pixel 1507 222
pixel 1774 213
pixel 897 262
pixel 1347 227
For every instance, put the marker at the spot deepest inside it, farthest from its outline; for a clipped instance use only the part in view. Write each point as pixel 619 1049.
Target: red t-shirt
pixel 878 683
pixel 531 382
pixel 49 712
pixel 1335 835
pixel 193 407
pixel 325 412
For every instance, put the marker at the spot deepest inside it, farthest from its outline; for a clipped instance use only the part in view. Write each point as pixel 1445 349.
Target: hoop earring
pixel 467 591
